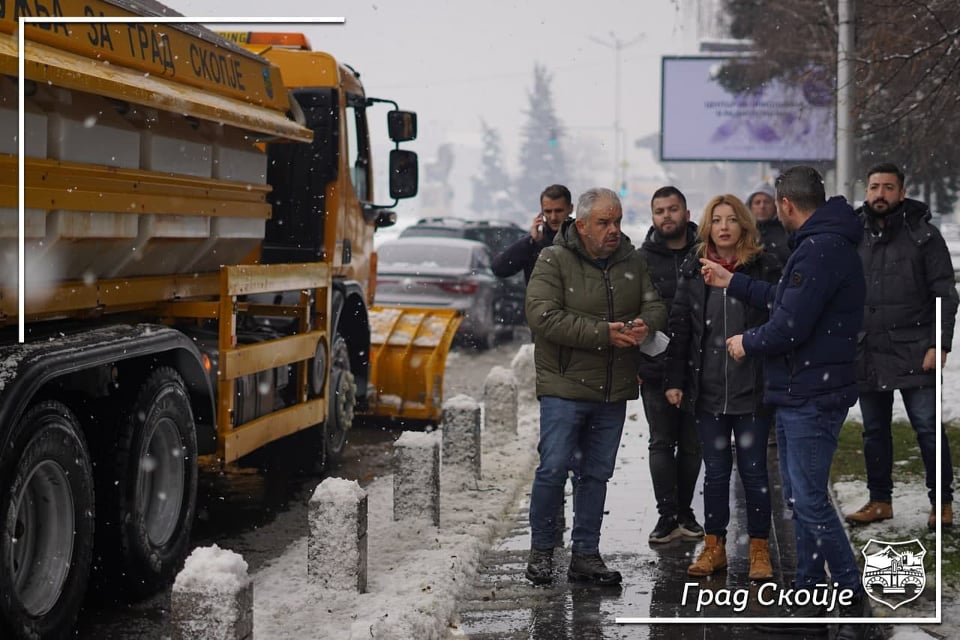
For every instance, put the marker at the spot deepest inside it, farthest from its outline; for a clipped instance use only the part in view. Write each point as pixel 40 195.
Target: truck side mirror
pixel 402 125
pixel 404 174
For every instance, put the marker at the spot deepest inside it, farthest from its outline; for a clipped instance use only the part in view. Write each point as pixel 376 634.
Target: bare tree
pixel 907 74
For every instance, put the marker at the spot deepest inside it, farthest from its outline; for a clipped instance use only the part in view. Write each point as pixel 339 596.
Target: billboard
pixel 700 120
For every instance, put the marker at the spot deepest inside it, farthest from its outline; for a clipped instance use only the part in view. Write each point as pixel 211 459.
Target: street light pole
pixel 619 163
pixel 845 98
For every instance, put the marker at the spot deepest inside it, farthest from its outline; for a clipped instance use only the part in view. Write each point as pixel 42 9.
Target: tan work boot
pixel 712 558
pixel 946 517
pixel 871 512
pixel 760 567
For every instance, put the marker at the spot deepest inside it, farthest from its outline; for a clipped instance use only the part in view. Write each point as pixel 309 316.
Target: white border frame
pixel 340 20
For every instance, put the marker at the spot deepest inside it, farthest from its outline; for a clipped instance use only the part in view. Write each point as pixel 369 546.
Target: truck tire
pixel 155 482
pixel 47 511
pixel 342 401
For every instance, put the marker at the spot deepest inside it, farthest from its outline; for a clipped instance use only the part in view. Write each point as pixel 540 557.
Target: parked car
pixel 442 272
pixel 497 235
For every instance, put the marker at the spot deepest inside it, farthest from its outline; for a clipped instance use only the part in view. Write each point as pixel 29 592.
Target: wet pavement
pixel 502 604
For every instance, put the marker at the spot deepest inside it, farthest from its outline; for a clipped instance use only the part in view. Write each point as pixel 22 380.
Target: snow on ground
pixel 414 571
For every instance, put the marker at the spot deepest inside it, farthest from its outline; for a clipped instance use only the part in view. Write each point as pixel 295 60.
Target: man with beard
pixel 907 266
pixel 673 444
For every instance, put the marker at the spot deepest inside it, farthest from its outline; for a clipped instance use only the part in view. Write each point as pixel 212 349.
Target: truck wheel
pixel 47 510
pixel 342 401
pixel 156 482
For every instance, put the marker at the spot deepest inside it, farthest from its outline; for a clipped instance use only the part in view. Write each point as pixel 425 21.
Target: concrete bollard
pixel 500 402
pixel 525 371
pixel 416 477
pixel 212 597
pixel 337 546
pixel 461 437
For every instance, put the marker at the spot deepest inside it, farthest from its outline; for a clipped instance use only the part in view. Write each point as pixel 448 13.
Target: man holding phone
pixel 556 205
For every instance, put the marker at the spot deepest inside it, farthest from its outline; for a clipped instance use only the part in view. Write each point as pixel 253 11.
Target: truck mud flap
pixel 408 354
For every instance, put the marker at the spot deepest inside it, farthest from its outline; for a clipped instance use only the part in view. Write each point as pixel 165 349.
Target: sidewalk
pixel 503 604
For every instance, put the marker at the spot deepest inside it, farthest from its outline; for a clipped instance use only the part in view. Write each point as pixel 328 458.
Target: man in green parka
pixel 590 304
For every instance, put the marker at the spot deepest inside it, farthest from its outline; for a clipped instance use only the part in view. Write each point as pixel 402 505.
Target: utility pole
pixel 845 98
pixel 619 162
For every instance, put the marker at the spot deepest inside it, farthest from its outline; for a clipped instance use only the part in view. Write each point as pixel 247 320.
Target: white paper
pixel 655 344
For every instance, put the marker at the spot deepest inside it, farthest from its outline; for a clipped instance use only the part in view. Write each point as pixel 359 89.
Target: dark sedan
pixel 442 272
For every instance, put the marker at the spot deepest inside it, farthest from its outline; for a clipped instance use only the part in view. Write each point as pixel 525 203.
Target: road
pixel 258 514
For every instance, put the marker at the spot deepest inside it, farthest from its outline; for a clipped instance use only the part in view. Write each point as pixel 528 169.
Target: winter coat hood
pixel 836 216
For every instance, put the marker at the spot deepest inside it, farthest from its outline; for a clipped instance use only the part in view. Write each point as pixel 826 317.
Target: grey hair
pixel 590 197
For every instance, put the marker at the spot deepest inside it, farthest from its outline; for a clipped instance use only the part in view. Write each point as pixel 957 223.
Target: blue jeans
pixel 921 405
pixel 751 431
pixel 565 425
pixel 784 478
pixel 810 439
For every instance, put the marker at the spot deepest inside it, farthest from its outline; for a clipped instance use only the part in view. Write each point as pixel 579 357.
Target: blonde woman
pixel 725 396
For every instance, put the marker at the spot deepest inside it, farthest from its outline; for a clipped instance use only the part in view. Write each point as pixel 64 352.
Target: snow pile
pixel 212 570
pixel 415 570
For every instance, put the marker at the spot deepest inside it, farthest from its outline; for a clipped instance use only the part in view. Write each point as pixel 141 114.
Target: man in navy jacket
pixel 809 346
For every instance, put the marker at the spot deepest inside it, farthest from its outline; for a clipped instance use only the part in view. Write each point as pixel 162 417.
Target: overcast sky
pixel 456 63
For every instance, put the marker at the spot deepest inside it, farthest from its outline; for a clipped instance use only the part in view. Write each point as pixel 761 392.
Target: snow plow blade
pixel 408 354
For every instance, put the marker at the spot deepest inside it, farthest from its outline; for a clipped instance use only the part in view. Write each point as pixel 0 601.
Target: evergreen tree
pixel 542 160
pixel 492 188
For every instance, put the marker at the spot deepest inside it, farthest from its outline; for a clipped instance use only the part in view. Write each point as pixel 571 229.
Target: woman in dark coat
pixel 724 395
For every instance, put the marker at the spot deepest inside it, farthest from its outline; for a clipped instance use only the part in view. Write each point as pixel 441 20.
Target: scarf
pixel 730 265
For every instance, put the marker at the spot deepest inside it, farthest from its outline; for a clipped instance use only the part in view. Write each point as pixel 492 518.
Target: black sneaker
pixel 689 528
pixel 540 566
pixel 589 567
pixel 666 530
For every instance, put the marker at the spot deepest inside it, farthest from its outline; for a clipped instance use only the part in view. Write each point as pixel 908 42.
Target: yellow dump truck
pixel 199 272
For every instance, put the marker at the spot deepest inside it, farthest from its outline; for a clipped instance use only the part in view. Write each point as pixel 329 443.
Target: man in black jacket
pixel 907 266
pixel 556 205
pixel 673 445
